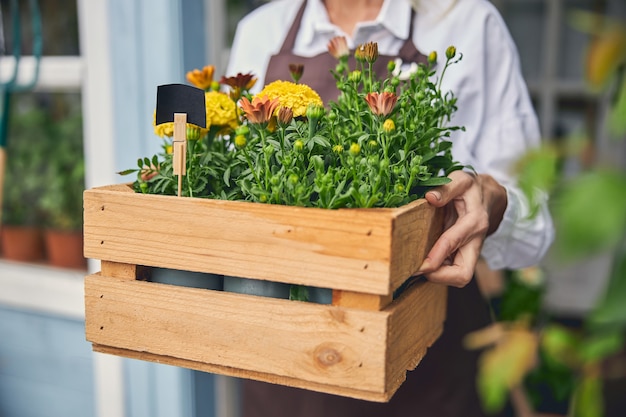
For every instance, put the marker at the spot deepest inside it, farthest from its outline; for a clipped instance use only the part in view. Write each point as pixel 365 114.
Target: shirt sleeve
pixel 501 127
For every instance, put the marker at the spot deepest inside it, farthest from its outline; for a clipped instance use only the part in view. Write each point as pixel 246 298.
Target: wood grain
pixel 361 250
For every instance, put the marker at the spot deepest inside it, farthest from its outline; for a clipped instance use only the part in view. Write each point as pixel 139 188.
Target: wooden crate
pixel 360 346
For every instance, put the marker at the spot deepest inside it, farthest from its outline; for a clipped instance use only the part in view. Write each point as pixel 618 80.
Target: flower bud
pixel 399 188
pixel 298 145
pixel 315 112
pixel 355 76
pixel 391 65
pixel 432 57
pixel 355 149
pixel 294 179
pixel 193 132
pixel 450 52
pixel 338 149
pixel 242 130
pixel 296 71
pixel 372 144
pixel 240 141
pixel 389 126
pixel 285 114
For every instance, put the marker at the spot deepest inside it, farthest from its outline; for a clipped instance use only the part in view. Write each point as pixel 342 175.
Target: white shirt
pixel 493 102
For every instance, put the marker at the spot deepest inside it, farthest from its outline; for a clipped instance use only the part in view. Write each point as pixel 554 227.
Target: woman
pixel 487 215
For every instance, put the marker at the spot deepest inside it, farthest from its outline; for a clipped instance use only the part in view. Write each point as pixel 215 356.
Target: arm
pixel 487 215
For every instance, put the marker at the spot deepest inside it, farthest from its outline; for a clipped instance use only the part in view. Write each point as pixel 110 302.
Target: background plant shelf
pixel 360 346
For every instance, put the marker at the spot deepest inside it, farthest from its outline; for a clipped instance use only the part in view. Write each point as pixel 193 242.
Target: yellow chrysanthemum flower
pixel 220 110
pixel 297 97
pixel 164 129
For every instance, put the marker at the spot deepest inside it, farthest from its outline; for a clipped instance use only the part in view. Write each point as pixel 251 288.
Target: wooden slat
pixel 347 249
pixel 353 392
pixel 295 340
pixel 360 300
pixel 124 271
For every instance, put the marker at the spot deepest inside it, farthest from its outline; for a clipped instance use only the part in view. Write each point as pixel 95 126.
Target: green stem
pixel 266 161
pixel 191 144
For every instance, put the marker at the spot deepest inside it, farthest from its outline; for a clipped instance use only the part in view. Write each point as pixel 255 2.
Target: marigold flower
pixel 389 126
pixel 338 47
pixel 202 78
pixel 338 148
pixel 297 97
pixel 367 52
pixel 220 110
pixel 260 109
pixel 296 71
pixel 381 104
pixel 163 129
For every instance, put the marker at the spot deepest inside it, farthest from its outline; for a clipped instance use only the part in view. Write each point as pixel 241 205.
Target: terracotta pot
pixel 22 243
pixel 65 249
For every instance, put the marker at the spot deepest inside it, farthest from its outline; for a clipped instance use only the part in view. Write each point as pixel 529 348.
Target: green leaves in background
pixel 590 213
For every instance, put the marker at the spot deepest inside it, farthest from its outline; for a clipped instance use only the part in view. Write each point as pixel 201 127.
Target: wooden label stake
pixel 179 148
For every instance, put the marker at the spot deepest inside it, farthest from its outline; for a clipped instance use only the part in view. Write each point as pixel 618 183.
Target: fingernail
pixel 424 267
pixel 435 194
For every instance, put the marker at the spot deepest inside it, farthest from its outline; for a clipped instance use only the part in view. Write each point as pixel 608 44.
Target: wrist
pixel 495 200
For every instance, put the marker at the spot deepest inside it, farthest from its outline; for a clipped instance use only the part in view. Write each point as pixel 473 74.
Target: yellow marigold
pixel 220 110
pixel 164 129
pixel 202 78
pixel 297 97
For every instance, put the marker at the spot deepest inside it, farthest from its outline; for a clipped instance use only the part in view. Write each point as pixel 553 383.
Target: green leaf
pixel 298 293
pixel 590 213
pixel 611 309
pixel 435 181
pixel 127 171
pixel 600 346
pixel 617 121
pixel 588 398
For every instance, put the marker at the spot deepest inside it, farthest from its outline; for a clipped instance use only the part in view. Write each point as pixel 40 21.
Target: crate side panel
pixel 321 344
pixel 415 323
pixel 341 249
pixel 414 233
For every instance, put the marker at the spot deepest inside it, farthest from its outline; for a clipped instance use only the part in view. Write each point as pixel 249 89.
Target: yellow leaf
pixel 505 365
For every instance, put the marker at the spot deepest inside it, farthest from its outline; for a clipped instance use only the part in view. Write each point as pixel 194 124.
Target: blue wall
pixel 45 366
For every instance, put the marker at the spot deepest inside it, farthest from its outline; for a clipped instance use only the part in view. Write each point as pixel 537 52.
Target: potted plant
pixel 61 200
pixel 23 183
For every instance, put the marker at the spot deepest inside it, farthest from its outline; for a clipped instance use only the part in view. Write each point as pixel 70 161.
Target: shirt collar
pixel 315 20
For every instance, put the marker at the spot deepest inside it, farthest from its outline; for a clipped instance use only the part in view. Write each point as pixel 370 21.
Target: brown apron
pixel 317 73
pixel 443 384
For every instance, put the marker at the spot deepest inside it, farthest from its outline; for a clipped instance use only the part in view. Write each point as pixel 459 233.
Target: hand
pixel 474 206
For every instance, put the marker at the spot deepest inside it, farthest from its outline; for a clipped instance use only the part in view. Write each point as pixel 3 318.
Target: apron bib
pixel 317 68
